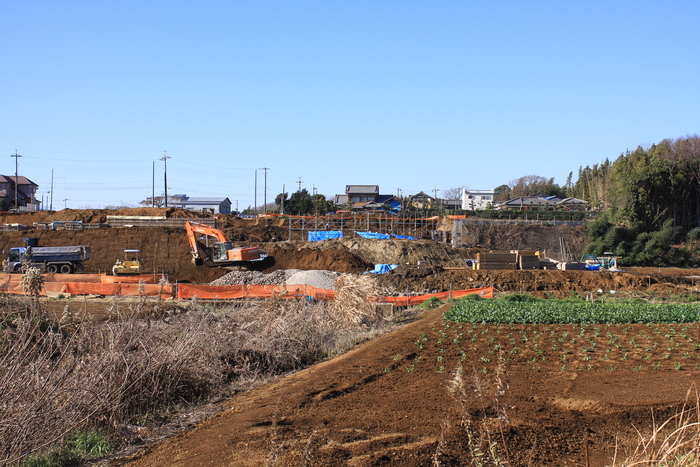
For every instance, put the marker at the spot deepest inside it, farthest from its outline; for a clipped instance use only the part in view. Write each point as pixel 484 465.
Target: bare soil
pixel 386 402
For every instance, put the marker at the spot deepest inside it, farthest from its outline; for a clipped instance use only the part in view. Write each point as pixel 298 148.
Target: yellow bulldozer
pixel 130 265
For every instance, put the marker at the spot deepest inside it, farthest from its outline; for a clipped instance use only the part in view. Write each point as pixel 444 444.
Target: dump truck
pixel 63 259
pixel 220 251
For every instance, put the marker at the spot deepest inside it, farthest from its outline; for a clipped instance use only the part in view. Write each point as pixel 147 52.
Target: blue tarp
pixel 318 235
pixel 382 268
pixel 404 237
pixel 379 236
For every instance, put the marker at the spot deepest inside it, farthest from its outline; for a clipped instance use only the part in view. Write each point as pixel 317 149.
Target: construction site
pixel 388 401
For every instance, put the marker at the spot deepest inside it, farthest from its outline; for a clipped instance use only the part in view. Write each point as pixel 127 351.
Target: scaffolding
pixel 350 224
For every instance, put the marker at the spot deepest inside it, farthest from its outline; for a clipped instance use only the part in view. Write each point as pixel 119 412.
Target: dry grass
pixel 483 416
pixel 65 376
pixel 674 442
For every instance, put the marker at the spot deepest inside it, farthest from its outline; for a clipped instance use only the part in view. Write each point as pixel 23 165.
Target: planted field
pixel 558 347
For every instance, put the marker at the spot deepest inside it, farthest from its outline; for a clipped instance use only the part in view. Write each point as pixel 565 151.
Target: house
pixel 365 197
pixel 216 205
pixel 477 200
pixel 24 191
pixel 422 200
pixel 452 204
pixel 573 204
pixel 538 201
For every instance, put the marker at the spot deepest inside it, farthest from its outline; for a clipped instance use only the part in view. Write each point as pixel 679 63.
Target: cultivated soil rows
pixel 546 393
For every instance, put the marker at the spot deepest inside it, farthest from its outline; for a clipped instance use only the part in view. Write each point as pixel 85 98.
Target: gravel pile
pixel 317 278
pixel 251 277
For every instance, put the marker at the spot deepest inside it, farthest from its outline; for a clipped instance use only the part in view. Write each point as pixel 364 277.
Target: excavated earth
pixel 387 401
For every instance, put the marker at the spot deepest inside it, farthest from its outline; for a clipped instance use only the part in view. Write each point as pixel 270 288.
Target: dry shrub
pixel 355 300
pixel 72 375
pixel 55 383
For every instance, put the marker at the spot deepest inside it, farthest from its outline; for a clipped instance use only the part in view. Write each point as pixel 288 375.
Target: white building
pixel 477 200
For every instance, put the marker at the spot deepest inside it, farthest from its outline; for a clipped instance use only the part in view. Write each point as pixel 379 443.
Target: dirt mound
pixel 393 251
pixel 306 259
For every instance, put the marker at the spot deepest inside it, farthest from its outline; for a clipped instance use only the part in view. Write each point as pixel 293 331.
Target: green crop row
pixel 563 312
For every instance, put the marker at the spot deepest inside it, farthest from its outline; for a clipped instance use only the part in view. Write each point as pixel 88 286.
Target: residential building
pixel 477 200
pixel 422 200
pixel 365 197
pixel 20 188
pixel 217 205
pixel 540 201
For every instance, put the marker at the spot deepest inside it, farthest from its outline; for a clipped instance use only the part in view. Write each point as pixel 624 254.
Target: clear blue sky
pixel 411 95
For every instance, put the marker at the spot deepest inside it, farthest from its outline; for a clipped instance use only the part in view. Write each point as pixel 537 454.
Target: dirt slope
pixel 386 403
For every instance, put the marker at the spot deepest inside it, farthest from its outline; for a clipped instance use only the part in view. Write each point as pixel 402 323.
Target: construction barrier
pixel 213 292
pixel 86 284
pixel 10 283
pixel 485 292
pixel 135 279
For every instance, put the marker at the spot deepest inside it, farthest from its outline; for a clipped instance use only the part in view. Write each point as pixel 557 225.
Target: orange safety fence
pixel 486 292
pixel 188 291
pixel 135 279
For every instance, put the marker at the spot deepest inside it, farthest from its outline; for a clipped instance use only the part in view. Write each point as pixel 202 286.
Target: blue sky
pixel 409 95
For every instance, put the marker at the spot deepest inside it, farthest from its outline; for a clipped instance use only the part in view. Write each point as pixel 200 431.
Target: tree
pixel 321 205
pixel 159 201
pixel 454 192
pixel 501 193
pixel 300 203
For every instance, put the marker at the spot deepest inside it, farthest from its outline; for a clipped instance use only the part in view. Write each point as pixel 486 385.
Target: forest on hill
pixel 649 201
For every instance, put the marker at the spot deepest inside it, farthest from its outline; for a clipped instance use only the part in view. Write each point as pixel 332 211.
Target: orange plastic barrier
pixel 486 292
pixel 146 278
pixel 188 291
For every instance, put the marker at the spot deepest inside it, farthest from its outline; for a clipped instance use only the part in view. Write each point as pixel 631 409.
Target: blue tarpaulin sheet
pixel 404 237
pixel 383 268
pixel 376 235
pixel 318 235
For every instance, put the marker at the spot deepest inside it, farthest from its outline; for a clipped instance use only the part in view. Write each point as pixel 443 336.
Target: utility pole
pixel 153 186
pixel 282 201
pixel 313 189
pixel 51 202
pixel 265 190
pixel 299 182
pixel 65 203
pixel 165 175
pixel 255 196
pixel 16 156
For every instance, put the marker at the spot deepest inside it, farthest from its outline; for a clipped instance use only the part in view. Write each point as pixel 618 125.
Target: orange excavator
pixel 219 252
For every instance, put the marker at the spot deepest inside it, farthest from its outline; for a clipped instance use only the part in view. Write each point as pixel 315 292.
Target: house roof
pixel 572 201
pixel 202 201
pixel 384 198
pixel 480 192
pixel 21 180
pixel 528 200
pixel 362 189
pixel 421 195
pixel 341 199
